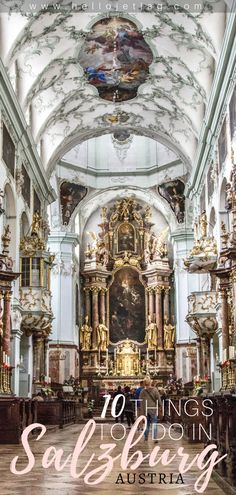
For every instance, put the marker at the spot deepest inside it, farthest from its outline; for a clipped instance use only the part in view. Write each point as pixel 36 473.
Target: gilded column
pixel 159 316
pixel 225 323
pixel 95 315
pixel 7 322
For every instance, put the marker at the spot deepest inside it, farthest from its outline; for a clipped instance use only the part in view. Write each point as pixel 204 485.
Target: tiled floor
pixel 47 481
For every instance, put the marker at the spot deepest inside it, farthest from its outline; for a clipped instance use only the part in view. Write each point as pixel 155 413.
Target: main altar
pixel 127 328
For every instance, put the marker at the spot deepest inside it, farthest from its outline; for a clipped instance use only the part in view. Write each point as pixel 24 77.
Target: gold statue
pixel 104 214
pixel 147 213
pixel 85 335
pixel 36 224
pixel 169 334
pixel 151 334
pixel 102 333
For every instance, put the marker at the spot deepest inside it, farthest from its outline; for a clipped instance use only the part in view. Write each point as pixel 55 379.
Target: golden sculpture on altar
pixel 125 255
pixel 86 335
pixel 36 224
pixel 169 334
pixel 103 336
pixel 151 334
pixel 127 359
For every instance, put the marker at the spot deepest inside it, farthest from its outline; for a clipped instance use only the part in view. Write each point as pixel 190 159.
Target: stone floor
pixel 47 481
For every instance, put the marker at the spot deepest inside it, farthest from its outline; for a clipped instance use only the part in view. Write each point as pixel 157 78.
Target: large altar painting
pixel 127 306
pixel 115 58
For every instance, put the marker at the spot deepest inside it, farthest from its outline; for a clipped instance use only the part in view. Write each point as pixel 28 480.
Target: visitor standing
pixel 150 400
pixel 129 407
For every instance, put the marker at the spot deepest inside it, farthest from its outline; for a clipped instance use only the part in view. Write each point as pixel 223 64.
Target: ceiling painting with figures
pixel 116 59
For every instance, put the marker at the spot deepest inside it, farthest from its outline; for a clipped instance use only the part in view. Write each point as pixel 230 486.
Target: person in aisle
pixel 129 407
pixel 150 400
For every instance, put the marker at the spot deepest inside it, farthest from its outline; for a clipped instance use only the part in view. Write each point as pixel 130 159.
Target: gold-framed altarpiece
pixel 127 281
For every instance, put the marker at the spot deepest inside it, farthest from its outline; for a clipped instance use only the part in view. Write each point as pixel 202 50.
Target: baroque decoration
pixel 173 192
pixel 35 294
pixel 203 255
pixel 116 59
pixel 127 279
pixel 7 277
pixel 70 196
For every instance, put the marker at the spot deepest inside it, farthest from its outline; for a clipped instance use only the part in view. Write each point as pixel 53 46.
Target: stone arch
pixel 78 136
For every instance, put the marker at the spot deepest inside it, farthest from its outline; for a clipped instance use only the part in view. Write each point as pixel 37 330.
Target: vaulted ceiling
pixel 42 51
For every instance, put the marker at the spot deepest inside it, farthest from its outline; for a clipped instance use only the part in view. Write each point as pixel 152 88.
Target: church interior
pixel 117 210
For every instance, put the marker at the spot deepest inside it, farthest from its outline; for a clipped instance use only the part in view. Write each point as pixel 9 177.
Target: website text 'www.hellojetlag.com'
pixel 109 6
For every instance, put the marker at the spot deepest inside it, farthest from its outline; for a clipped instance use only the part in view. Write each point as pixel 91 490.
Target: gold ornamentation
pixel 169 334
pixel 148 213
pixel 104 214
pixel 157 245
pixel 29 245
pixel 126 210
pixel 97 249
pixel 204 247
pixel 128 259
pixel 151 334
pixel 85 335
pixel 102 334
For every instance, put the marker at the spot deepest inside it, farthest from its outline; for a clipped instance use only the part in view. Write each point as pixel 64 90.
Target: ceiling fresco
pixel 148 74
pixel 116 59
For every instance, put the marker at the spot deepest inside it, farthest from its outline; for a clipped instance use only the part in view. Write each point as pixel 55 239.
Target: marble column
pixel 1 323
pixel 159 316
pixel 38 358
pixel 16 360
pixel 111 236
pixel 102 305
pixel 146 307
pixel 6 322
pixel 46 357
pixel 199 368
pixel 167 303
pixel 107 309
pixel 225 323
pixel 95 315
pixel 88 303
pixel 151 302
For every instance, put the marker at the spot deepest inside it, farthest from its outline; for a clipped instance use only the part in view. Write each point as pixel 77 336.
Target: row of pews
pixel 18 413
pixel 218 428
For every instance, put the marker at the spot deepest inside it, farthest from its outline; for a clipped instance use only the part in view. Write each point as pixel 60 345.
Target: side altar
pixel 127 328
